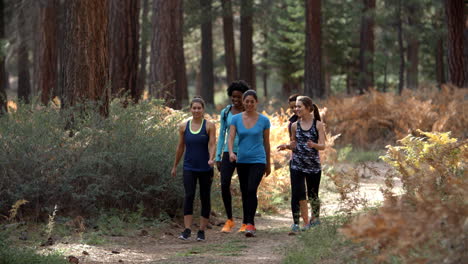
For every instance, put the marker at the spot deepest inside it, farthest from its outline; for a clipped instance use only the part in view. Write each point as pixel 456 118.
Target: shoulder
pixel 209 124
pixel 294 125
pixel 236 117
pixel 264 118
pixel 320 124
pixel 183 124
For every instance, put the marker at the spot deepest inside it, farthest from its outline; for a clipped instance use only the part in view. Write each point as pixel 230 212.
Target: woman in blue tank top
pixel 307 138
pixel 253 154
pixel 197 137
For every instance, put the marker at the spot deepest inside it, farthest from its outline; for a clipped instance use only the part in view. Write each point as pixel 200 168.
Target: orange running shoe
pixel 250 230
pixel 228 226
pixel 242 229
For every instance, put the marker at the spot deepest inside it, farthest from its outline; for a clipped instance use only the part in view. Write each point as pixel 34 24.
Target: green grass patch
pixel 14 255
pixel 353 155
pixel 322 243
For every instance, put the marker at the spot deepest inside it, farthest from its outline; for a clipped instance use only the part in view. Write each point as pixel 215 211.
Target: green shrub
pixel 117 162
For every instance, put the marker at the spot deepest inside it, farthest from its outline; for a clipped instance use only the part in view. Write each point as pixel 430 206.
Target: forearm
pixel 178 156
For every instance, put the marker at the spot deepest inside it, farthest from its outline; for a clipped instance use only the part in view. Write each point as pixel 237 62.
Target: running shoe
pixel 242 229
pixel 185 234
pixel 314 222
pixel 227 228
pixel 250 230
pixel 306 227
pixel 295 228
pixel 201 235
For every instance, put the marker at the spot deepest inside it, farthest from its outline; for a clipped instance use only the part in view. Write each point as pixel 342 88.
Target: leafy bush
pixel 428 223
pixel 117 162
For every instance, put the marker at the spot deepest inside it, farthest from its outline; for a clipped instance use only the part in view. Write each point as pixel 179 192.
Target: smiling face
pixel 197 110
pixel 301 109
pixel 292 106
pixel 250 103
pixel 236 98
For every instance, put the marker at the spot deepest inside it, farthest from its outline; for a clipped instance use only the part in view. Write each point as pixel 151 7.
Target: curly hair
pixel 240 86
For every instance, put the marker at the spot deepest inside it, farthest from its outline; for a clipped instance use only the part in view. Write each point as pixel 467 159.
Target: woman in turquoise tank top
pixel 197 138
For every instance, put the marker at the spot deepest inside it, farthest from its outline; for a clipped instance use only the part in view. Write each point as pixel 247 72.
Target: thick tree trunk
pixel 246 67
pixel 412 74
pixel 24 79
pixel 366 52
pixel 454 10
pixel 206 66
pixel 313 84
pixel 123 47
pixel 181 75
pixel 164 51
pixel 400 48
pixel 439 58
pixel 145 33
pixel 3 96
pixel 48 56
pixel 229 44
pixel 85 60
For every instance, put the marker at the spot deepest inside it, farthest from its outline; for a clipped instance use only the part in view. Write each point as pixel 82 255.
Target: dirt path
pixel 162 245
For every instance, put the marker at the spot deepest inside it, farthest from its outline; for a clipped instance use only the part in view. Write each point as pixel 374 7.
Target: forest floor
pixel 161 244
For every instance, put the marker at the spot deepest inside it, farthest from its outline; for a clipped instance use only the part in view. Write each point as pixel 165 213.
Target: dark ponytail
pixel 316 112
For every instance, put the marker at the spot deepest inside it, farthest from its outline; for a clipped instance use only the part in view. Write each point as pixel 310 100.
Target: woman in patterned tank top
pixel 307 138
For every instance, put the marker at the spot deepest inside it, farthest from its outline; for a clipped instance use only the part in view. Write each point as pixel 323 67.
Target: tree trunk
pixel 48 57
pixel 412 74
pixel 229 44
pixel 465 44
pixel 24 79
pixel 181 75
pixel 439 58
pixel 454 10
pixel 366 52
pixel 3 96
pixel 206 66
pixel 145 32
pixel 400 48
pixel 164 48
pixel 246 44
pixel 85 58
pixel 313 84
pixel 123 47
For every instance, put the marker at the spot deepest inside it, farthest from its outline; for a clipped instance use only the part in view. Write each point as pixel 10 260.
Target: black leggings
pixel 250 176
pixel 227 169
pixel 190 185
pixel 298 192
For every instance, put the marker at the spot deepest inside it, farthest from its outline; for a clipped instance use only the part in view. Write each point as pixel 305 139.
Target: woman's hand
pixel 232 157
pixel 282 147
pixel 267 170
pixel 211 163
pixel 311 144
pixel 174 171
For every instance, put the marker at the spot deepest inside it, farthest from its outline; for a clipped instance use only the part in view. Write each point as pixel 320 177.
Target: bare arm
pixel 212 142
pixel 232 136
pixel 180 149
pixel 320 145
pixel 293 141
pixel 266 144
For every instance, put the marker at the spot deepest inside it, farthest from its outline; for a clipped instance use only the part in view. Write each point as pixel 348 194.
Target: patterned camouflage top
pixel 306 159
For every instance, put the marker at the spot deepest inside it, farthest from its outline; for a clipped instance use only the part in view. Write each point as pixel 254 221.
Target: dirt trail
pixel 270 245
pixel 164 247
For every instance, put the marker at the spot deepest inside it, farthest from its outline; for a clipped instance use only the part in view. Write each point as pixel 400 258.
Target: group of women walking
pixel 244 144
